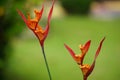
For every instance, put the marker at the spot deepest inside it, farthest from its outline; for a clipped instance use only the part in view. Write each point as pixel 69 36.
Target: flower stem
pixel 46 63
pixel 84 78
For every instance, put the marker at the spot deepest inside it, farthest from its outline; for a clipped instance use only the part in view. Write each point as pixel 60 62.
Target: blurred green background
pixel 21 56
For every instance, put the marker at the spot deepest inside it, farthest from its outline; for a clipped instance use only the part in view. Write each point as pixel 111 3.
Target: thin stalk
pixel 46 63
pixel 84 78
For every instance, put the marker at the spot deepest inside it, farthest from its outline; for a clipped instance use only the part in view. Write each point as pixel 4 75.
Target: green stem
pixel 46 63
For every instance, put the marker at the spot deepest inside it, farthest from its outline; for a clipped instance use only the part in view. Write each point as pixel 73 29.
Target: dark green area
pixel 8 29
pixel 77 6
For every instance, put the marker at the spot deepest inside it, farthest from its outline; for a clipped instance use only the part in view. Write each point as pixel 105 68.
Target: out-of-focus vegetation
pixel 26 61
pixel 77 6
pixel 8 29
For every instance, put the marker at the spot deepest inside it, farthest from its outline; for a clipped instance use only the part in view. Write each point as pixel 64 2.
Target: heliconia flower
pixel 38 30
pixel 33 23
pixel 86 68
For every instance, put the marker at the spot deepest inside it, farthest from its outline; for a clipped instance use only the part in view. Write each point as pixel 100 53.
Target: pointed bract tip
pixel 85 48
pixel 70 51
pixel 99 48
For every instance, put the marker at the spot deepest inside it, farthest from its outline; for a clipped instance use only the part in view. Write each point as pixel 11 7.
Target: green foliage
pixel 76 6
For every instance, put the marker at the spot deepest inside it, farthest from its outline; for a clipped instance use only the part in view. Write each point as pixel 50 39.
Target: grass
pixel 27 63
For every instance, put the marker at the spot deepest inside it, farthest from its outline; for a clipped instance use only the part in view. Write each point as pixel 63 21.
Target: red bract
pixel 96 55
pixel 33 23
pixel 86 68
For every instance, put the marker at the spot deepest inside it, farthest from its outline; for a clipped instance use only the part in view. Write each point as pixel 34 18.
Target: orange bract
pixel 37 14
pixel 40 32
pixel 33 23
pixel 85 68
pixel 78 58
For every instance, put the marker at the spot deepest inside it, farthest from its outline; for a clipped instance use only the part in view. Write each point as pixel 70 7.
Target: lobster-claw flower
pixel 33 23
pixel 85 68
